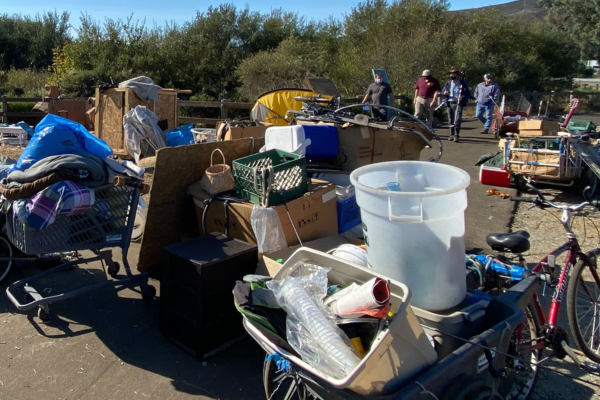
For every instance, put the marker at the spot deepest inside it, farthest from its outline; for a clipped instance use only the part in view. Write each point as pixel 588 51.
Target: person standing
pixel 486 95
pixel 427 90
pixel 457 94
pixel 378 92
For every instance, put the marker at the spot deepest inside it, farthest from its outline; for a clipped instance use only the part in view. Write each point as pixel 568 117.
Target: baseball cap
pixel 488 75
pixel 426 72
pixel 454 71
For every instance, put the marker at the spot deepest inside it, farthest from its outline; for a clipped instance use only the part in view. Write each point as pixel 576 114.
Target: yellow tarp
pixel 271 107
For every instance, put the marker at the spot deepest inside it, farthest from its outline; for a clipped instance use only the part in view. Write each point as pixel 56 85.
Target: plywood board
pixel 171 215
pixel 166 109
pixel 70 109
pixel 132 101
pixel 110 107
pixel 113 104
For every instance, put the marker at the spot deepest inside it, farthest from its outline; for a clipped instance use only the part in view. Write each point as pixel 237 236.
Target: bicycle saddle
pixel 516 242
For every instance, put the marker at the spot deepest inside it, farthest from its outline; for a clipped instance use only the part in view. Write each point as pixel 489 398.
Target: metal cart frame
pixel 569 166
pixel 472 368
pixel 107 223
pixel 501 126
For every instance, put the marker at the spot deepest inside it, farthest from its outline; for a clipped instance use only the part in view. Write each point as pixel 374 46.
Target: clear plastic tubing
pixel 321 329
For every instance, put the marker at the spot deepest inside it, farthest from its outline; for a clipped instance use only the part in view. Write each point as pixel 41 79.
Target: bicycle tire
pixel 577 311
pixel 519 378
pixel 6 250
pixel 283 385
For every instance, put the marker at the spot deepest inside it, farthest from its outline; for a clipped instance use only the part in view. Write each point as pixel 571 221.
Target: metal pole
pixel 224 108
pixel 4 110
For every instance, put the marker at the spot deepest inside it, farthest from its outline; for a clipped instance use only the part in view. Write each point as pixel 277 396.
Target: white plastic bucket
pixel 416 235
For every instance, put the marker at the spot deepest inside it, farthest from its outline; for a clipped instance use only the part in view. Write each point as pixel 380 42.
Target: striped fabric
pixel 63 198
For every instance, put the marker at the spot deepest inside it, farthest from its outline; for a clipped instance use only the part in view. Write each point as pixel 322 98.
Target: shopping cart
pixel 508 121
pixel 108 223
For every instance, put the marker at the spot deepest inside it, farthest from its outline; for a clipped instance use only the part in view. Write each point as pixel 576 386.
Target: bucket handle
pixel 410 219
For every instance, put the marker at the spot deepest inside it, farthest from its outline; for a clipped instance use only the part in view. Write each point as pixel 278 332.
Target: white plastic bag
pixel 267 229
pixel 142 134
pixel 310 329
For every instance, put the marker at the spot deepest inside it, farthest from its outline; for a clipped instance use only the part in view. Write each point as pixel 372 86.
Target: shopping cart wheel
pixel 113 270
pixel 6 253
pixel 46 317
pixel 148 292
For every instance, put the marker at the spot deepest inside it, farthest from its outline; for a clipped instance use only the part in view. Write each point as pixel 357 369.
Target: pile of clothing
pixel 58 172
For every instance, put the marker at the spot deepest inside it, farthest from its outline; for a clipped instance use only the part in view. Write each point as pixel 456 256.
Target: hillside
pixel 520 9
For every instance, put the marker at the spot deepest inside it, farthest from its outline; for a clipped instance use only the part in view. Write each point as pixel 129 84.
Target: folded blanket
pixel 29 189
pixel 91 170
pixel 63 198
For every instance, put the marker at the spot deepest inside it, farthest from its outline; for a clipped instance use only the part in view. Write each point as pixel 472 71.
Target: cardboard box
pixel 240 132
pixel 538 128
pixel 541 157
pixel 360 146
pixel 268 265
pixel 314 215
pixel 51 91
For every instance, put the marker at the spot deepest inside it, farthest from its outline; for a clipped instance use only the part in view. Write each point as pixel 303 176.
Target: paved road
pixel 107 345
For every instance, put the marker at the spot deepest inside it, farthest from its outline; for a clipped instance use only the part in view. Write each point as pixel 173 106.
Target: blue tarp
pixel 55 135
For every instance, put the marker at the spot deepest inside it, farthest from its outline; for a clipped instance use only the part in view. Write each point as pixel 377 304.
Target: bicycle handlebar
pixel 540 201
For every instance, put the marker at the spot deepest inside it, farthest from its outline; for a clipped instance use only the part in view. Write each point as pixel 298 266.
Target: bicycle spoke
pixel 292 389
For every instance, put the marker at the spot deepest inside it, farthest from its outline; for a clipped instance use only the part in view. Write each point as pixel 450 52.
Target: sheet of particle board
pixel 171 214
pixel 110 107
pixel 167 108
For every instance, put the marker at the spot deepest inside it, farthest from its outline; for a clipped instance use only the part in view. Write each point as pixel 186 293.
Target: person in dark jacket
pixel 486 95
pixel 457 94
pixel 379 92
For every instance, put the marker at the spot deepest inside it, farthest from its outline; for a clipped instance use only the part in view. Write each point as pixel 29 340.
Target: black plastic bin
pixel 197 279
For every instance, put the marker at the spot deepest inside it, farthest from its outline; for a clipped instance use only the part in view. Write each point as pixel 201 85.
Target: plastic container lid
pixel 351 253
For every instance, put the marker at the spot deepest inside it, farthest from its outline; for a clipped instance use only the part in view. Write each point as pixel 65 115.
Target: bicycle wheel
pixel 583 307
pixel 285 385
pixel 6 251
pixel 521 373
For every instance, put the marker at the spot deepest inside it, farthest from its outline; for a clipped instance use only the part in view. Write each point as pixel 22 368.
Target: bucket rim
pixel 462 185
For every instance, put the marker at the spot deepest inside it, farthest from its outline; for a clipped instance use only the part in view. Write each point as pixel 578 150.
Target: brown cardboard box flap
pixel 539 125
pixel 314 214
pixel 240 132
pixel 535 157
pixel 268 265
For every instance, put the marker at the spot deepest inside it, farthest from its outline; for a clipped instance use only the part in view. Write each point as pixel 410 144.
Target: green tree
pixel 580 19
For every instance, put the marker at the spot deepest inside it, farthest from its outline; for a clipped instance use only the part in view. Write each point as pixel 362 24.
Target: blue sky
pixel 181 11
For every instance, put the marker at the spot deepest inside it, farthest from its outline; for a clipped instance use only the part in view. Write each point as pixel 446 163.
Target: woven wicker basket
pixel 218 177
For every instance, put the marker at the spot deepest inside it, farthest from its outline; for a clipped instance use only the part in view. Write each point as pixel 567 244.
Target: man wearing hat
pixel 457 94
pixel 427 89
pixel 486 94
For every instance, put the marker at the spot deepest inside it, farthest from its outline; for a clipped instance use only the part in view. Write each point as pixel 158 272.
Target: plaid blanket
pixel 63 198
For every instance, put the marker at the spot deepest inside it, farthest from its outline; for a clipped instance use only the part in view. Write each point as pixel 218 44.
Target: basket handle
pixel 213 153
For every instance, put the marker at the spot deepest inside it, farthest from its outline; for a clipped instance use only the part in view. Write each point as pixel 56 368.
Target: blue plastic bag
pixel 55 135
pixel 181 136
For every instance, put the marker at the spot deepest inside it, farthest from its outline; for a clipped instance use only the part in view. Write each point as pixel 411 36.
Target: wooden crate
pixel 113 104
pixel 70 109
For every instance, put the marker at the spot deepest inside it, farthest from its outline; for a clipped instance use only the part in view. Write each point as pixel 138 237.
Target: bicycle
pixel 582 301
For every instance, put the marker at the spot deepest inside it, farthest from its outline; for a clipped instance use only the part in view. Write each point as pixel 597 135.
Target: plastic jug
pixel 416 235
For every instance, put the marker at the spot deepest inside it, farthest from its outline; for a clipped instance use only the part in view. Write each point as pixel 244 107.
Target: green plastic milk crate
pixel 270 178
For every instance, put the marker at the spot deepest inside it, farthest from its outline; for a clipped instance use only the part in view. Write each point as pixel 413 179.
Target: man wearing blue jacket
pixel 486 95
pixel 456 92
